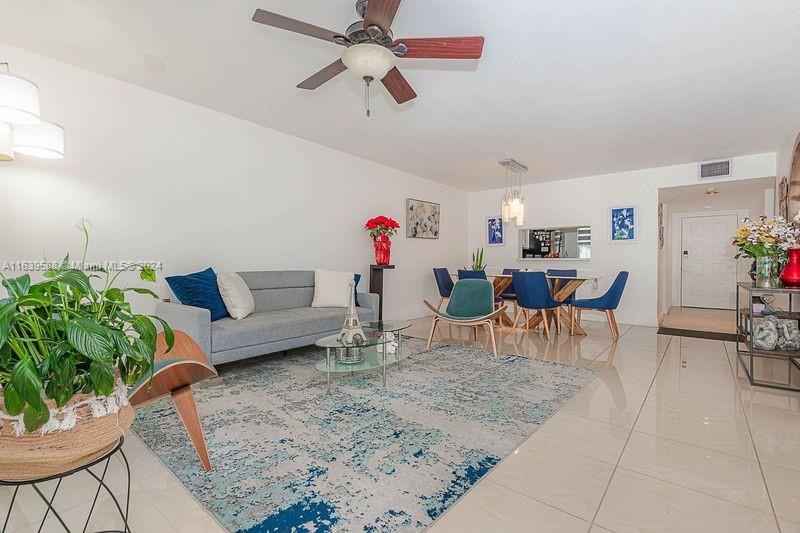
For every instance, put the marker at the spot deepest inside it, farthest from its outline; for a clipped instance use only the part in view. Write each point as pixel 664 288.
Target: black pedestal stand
pixel 105 458
pixel 376 284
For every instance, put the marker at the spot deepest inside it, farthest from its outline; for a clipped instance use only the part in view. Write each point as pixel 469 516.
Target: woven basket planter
pixel 37 455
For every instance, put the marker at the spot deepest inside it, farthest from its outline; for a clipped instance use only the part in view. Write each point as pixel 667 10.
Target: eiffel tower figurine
pixel 351 330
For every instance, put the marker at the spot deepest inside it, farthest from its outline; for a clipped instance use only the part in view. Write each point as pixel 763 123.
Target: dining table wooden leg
pixel 545 323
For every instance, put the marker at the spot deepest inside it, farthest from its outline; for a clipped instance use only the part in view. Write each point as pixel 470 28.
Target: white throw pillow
pixel 236 295
pixel 332 289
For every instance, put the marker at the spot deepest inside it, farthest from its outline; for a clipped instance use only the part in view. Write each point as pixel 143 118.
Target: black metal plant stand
pixel 106 459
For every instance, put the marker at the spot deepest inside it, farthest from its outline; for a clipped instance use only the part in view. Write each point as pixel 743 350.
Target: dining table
pixel 562 287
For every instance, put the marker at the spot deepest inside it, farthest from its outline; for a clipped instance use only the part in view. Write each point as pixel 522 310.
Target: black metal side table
pixel 101 484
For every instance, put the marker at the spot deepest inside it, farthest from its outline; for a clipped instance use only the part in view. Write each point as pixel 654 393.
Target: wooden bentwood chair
pixel 472 304
pixel 174 374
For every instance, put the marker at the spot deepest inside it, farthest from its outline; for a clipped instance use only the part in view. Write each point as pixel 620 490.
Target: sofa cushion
pixel 278 290
pixel 270 326
pixel 199 289
pixel 332 288
pixel 236 295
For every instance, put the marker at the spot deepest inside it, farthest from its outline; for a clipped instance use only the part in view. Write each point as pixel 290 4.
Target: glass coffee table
pixel 379 351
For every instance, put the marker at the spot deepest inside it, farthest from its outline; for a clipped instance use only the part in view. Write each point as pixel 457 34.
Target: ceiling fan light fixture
pixel 368 61
pixel 19 100
pixel 45 140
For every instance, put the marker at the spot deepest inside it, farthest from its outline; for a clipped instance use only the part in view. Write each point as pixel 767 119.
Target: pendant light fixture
pixel 19 99
pixel 21 129
pixel 513 203
pixel 6 142
pixel 45 140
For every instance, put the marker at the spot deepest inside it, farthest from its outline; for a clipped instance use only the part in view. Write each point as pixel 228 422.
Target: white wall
pixel 165 180
pixel 587 201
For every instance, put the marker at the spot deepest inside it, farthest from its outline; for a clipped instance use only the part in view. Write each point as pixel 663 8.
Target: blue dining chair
pixel 471 305
pixel 607 302
pixel 508 293
pixel 444 283
pixel 533 294
pixel 471 274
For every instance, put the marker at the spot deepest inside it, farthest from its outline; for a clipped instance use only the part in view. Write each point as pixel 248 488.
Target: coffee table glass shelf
pixel 361 356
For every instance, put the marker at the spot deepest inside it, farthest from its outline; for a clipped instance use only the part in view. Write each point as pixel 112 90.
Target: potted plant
pixel 70 345
pixel 381 229
pixel 763 240
pixel 477 260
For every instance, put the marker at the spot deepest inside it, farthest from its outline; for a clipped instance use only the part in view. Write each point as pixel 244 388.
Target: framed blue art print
pixel 622 224
pixel 495 231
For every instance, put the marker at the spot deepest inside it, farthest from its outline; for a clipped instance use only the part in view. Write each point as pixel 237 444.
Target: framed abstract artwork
pixel 495 231
pixel 622 224
pixel 422 219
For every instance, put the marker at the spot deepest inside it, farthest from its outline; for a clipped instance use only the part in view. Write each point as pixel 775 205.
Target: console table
pixel 757 362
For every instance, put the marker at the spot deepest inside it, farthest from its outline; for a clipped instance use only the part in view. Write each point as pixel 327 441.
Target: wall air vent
pixel 715 169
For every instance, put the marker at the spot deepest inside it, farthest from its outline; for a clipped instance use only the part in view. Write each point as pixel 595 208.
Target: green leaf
pixel 90 339
pixel 18 286
pixel 122 343
pixel 145 328
pixel 7 312
pixel 102 376
pixel 169 335
pixel 114 295
pixel 34 300
pixel 140 290
pixel 75 279
pixel 35 416
pixel 147 273
pixel 26 381
pixel 13 401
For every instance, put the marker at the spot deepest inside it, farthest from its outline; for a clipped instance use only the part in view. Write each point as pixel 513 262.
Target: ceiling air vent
pixel 715 169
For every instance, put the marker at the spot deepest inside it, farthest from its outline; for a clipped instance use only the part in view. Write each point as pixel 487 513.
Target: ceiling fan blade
pixel 398 87
pixel 381 13
pixel 443 47
pixel 323 76
pixel 297 26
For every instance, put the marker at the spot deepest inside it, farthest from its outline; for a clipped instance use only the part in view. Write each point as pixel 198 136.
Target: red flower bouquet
pixel 381 229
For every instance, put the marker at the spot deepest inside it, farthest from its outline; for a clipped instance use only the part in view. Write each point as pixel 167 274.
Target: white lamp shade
pixel 44 139
pixel 368 60
pixel 6 142
pixel 19 100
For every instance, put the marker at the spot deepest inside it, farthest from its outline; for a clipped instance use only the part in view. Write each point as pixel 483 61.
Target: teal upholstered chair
pixel 472 304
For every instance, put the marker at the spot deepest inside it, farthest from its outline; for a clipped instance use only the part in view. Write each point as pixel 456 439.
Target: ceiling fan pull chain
pixel 368 80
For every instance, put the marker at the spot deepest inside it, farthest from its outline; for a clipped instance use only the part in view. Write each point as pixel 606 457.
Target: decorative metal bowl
pixel 349 356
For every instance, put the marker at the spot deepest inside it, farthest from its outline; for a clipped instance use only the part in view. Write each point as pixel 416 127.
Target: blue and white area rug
pixel 288 457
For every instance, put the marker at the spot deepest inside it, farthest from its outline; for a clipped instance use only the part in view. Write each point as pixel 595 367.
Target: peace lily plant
pixel 61 337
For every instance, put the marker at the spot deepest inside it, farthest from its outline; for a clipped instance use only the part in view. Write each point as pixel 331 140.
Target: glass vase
pixel 383 250
pixel 790 275
pixel 766 272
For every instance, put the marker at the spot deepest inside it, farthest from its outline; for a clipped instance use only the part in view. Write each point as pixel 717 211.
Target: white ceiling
pixel 569 88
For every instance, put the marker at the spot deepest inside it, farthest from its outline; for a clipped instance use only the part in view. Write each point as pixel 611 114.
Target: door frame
pixel 677 248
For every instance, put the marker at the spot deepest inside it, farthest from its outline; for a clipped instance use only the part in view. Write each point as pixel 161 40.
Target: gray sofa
pixel 283 318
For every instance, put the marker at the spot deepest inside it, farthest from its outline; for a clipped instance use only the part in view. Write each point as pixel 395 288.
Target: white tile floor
pixel 670 437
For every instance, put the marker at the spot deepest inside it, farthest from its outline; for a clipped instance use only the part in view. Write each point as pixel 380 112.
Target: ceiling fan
pixel 371 50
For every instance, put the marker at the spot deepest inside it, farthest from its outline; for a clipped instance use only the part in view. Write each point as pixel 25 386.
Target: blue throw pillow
pixel 199 290
pixel 357 278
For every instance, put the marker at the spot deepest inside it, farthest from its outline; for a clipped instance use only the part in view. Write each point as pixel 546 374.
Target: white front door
pixel 708 262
